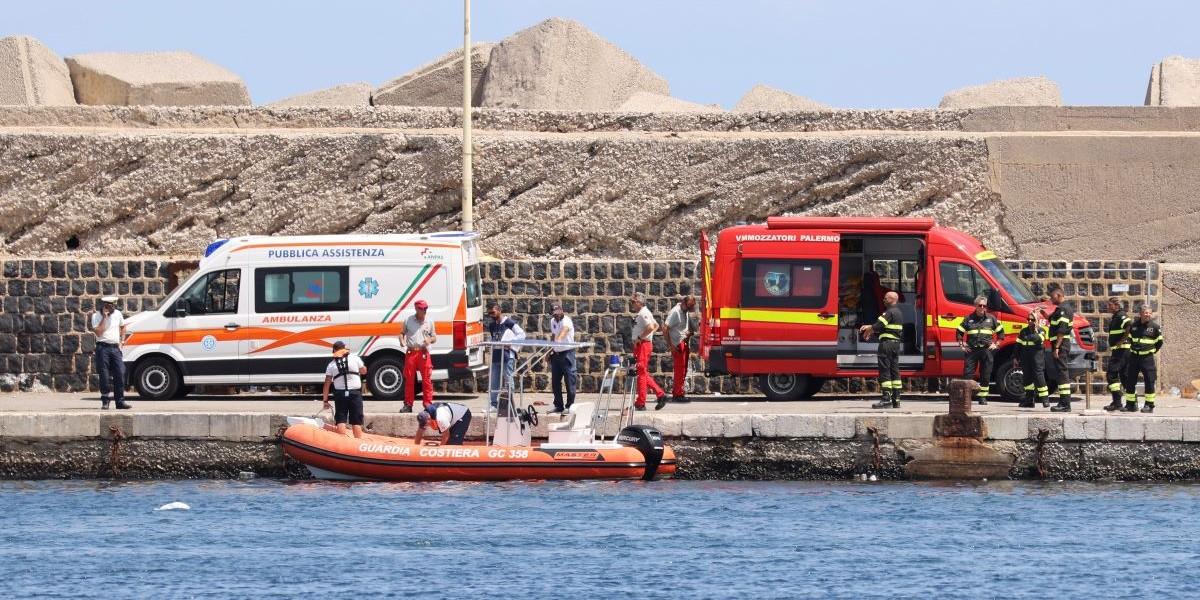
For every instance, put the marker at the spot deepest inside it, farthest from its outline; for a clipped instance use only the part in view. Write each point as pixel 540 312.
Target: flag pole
pixel 468 201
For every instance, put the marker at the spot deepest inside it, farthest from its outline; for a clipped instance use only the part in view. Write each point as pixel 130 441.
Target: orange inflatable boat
pixel 637 452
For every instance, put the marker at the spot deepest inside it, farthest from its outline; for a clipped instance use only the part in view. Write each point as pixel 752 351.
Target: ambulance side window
pixel 213 294
pixel 474 292
pixel 771 283
pixel 301 289
pixel 961 283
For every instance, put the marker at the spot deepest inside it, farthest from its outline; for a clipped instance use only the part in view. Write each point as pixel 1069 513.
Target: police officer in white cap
pixel 109 326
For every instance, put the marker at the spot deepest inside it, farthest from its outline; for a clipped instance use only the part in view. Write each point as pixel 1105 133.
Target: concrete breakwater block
pixel 763 98
pixel 154 78
pixel 438 83
pixel 347 94
pixel 561 65
pixel 32 74
pixel 1022 91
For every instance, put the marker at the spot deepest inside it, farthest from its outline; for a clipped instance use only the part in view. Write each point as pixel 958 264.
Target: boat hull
pixel 329 455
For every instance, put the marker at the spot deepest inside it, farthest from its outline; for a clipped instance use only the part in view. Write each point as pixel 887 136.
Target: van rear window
pixel 772 283
pixel 474 291
pixel 301 289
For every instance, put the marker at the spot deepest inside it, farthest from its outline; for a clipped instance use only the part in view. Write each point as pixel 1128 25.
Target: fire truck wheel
pixel 784 387
pixel 1009 381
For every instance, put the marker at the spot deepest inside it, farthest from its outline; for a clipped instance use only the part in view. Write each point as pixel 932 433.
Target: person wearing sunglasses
pixel 979 334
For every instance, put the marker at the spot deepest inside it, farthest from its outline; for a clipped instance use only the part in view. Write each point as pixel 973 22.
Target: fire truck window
pixel 961 283
pixel 785 284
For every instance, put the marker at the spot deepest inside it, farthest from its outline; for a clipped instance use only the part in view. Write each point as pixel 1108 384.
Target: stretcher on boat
pixel 576 449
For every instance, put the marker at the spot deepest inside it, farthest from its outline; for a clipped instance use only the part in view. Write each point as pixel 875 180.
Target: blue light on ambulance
pixel 213 247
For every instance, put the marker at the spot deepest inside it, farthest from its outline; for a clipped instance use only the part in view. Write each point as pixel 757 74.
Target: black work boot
pixel 1045 401
pixel 1062 406
pixel 1026 402
pixel 407 408
pixel 1148 407
pixel 895 398
pixel 1115 405
pixel 884 402
pixel 1130 406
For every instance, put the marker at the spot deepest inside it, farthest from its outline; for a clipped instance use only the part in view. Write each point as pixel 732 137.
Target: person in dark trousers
pixel 450 420
pixel 562 360
pixel 344 374
pixel 1061 330
pixel 1118 358
pixel 979 335
pixel 890 328
pixel 109 326
pixel 1031 358
pixel 1145 340
pixel 504 360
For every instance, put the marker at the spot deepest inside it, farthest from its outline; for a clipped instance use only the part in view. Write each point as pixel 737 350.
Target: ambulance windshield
pixel 1015 286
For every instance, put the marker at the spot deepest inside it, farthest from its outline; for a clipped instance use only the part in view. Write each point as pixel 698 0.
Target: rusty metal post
pixel 1087 392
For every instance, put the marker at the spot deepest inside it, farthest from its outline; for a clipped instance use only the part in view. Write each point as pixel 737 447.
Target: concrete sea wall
pixel 746 446
pixel 44 339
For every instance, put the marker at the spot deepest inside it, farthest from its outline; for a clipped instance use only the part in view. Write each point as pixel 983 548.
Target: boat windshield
pixel 1015 286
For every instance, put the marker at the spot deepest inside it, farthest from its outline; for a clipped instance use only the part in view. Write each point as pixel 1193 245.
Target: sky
pixel 861 54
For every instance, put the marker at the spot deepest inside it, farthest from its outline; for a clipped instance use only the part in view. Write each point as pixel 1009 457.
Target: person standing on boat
pixel 562 360
pixel 449 420
pixel 345 373
pixel 642 333
pixel 417 336
pixel 679 335
pixel 502 329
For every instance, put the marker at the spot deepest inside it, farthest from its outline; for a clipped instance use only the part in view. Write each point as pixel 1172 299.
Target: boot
pixel 1063 405
pixel 122 405
pixel 1026 402
pixel 407 408
pixel 895 398
pixel 981 397
pixel 1130 406
pixel 884 402
pixel 1045 401
pixel 1115 405
pixel 1147 408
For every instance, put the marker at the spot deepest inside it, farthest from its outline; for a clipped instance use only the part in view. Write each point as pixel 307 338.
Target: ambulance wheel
pixel 784 387
pixel 156 378
pixel 1010 380
pixel 385 378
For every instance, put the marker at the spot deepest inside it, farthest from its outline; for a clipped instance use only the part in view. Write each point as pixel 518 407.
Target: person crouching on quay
pixel 345 373
pixel 449 419
pixel 418 335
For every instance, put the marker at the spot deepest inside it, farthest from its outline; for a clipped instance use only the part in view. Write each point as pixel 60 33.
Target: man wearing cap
pixel 109 326
pixel 418 335
pixel 449 419
pixel 562 360
pixel 345 373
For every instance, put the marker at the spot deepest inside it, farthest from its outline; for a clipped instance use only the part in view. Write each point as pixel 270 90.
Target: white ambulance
pixel 266 310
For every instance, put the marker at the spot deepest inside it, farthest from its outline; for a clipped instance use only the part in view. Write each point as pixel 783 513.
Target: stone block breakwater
pixel 710 446
pixel 45 343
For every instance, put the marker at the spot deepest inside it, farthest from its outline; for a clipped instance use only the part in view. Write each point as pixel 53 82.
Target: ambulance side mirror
pixel 181 307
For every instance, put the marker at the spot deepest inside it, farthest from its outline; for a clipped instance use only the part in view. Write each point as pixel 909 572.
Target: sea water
pixel 669 539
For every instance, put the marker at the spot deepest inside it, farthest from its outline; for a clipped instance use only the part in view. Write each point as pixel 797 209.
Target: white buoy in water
pixel 873 477
pixel 174 506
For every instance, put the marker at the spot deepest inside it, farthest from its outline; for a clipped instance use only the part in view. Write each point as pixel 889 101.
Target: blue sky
pixel 865 54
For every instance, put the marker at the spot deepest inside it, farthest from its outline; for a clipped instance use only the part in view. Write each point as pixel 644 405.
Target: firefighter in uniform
pixel 1118 358
pixel 1031 354
pixel 1145 339
pixel 890 328
pixel 979 335
pixel 1061 330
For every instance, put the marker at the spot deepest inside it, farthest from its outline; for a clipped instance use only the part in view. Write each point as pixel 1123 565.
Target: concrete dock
pixel 731 437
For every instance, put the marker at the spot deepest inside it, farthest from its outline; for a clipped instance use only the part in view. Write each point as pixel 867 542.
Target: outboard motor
pixel 649 442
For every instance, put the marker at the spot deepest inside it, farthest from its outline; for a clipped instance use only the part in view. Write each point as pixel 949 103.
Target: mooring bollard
pixel 958 450
pixel 959 422
pixel 962 391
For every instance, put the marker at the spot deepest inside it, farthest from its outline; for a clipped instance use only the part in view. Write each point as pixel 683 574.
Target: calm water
pixel 598 540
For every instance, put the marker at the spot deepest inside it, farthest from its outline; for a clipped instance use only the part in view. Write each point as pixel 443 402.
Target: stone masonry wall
pixel 45 343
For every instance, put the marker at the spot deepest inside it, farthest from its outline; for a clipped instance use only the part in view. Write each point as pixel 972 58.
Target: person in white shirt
pixel 449 419
pixel 345 373
pixel 109 326
pixel 642 333
pixel 562 360
pixel 415 341
pixel 502 329
pixel 679 335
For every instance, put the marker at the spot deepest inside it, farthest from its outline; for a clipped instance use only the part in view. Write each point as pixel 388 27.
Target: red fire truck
pixel 782 301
